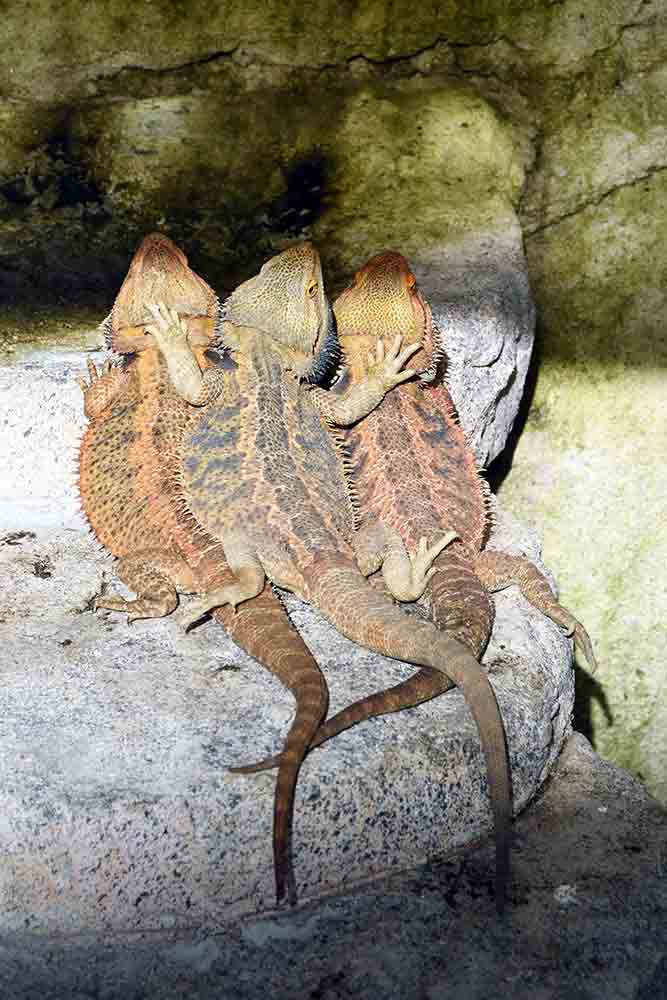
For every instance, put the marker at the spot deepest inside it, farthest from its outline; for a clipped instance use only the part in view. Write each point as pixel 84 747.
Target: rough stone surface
pixel 41 424
pixel 590 462
pixel 588 920
pixel 478 290
pixel 117 809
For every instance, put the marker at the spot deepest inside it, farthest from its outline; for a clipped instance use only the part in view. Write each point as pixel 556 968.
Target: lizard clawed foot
pixel 387 367
pixel 111 604
pixel 92 375
pixel 102 387
pixel 136 609
pixel 583 642
pixel 120 604
pixel 107 369
pixel 407 573
pixel 573 629
pixel 169 329
pixel 421 561
pixel 191 614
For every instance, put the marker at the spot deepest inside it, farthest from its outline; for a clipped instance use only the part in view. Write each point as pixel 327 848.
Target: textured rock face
pixel 379 939
pixel 589 468
pixel 117 808
pixel 478 291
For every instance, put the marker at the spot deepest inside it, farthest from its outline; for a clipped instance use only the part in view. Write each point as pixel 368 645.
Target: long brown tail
pixel 368 617
pixel 262 628
pixel 460 606
pixel 422 686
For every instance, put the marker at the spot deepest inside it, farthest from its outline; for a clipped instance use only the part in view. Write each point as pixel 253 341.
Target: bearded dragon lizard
pixel 261 472
pixel 128 466
pixel 414 470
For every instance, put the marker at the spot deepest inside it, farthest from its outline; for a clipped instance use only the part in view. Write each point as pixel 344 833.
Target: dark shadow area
pixel 586 691
pixel 302 204
pixel 73 249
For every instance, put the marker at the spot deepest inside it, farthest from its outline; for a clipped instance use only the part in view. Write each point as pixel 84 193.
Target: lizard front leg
pixel 384 373
pixel 242 560
pixel 405 573
pixel 157 577
pixel 103 388
pixel 171 337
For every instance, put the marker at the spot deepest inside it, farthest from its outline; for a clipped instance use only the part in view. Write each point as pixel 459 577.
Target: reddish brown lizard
pixel 129 460
pixel 414 470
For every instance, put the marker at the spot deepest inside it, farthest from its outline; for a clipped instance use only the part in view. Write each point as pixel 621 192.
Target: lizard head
pixel 159 272
pixel 383 300
pixel 286 301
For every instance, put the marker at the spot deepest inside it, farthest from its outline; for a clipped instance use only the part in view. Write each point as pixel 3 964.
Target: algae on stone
pixel 589 470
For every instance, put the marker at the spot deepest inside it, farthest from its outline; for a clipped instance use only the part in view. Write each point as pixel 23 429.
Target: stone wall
pixel 423 127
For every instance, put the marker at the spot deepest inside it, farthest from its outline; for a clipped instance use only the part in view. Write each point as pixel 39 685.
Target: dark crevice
pixel 594 202
pixel 303 202
pixel 219 56
pixel 500 467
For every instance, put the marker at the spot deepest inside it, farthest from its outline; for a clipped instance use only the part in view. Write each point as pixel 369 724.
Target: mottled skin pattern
pixel 262 473
pixel 413 469
pixel 129 459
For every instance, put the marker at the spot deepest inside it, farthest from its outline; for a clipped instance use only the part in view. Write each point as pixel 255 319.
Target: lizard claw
pixel 92 375
pixel 407 576
pixel 387 366
pixel 168 328
pixel 101 388
pixel 421 560
pixel 188 616
pixel 582 641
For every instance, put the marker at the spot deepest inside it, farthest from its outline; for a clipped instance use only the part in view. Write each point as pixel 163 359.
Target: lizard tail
pixel 460 603
pixel 422 686
pixel 368 616
pixel 460 606
pixel 263 629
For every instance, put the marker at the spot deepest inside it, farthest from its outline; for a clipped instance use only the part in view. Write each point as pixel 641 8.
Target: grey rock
pixel 479 292
pixel 41 426
pixel 586 921
pixel 117 808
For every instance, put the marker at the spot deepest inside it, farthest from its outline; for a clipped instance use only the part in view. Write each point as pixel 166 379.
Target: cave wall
pixel 238 128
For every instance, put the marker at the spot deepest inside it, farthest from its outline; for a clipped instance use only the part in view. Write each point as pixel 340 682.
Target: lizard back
pixel 411 463
pixel 261 449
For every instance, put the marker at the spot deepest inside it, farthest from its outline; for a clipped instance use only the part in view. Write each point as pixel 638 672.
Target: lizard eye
pixel 312 289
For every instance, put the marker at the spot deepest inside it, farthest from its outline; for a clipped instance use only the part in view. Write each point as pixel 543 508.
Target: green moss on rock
pixel 589 472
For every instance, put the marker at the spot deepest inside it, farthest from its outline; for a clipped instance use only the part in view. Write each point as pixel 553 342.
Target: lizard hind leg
pixel 250 579
pixel 498 570
pixel 156 576
pixel 405 573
